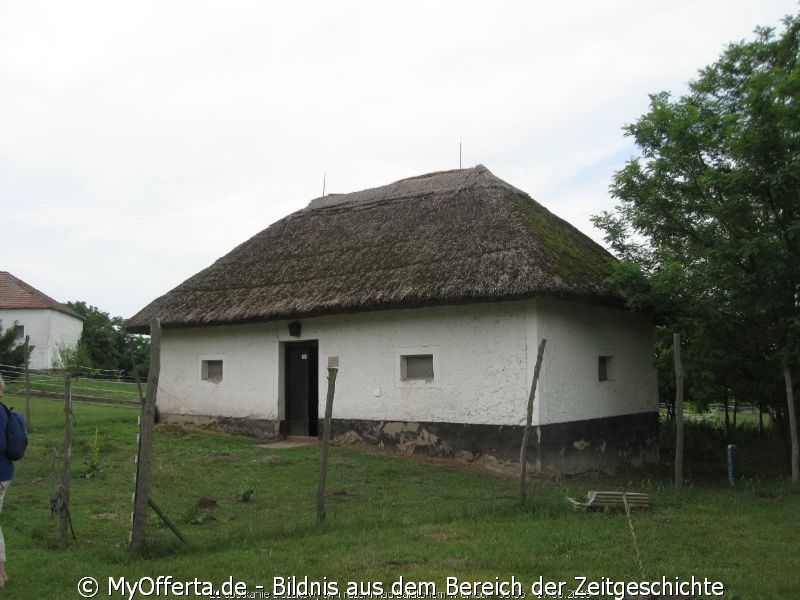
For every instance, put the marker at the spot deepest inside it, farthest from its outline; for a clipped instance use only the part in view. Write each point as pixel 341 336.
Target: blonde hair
pixel 2 384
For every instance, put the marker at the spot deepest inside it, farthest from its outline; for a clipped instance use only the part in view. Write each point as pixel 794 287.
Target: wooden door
pixel 302 398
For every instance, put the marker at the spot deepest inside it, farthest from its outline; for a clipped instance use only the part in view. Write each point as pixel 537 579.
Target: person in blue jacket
pixel 6 475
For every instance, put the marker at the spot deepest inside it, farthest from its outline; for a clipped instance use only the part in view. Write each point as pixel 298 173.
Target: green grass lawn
pixel 388 517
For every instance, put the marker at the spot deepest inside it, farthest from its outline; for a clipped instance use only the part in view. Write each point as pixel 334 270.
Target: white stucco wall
pixel 577 335
pixel 47 330
pixel 247 389
pixel 483 360
pixel 479 362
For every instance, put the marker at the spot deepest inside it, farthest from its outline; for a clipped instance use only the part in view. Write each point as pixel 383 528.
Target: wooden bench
pixel 608 501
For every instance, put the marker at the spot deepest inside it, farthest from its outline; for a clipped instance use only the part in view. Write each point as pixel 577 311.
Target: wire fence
pixel 86 385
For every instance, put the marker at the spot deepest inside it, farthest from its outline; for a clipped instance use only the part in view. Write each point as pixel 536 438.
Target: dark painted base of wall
pixel 605 444
pixel 259 428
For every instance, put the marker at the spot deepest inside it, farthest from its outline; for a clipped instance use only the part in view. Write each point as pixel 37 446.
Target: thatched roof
pixel 451 237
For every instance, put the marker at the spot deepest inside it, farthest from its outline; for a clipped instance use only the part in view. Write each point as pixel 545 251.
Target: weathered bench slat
pixel 609 500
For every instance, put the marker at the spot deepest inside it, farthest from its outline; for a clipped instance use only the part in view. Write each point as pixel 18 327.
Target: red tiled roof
pixel 15 293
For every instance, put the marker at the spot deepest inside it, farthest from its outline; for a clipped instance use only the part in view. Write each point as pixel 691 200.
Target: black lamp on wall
pixel 294 329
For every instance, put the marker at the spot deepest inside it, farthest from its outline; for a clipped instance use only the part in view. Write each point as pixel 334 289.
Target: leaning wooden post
pixel 63 492
pixel 27 386
pixel 526 436
pixel 145 455
pixel 676 342
pixel 787 375
pixel 167 521
pixel 333 369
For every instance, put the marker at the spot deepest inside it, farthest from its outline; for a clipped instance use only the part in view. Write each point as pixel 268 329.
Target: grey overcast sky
pixel 140 141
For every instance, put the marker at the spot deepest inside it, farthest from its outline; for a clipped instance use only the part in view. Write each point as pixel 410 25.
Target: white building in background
pixel 48 323
pixel 431 295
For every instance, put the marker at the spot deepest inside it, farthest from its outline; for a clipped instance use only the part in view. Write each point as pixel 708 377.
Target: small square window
pixel 606 368
pixel 416 367
pixel 19 331
pixel 211 370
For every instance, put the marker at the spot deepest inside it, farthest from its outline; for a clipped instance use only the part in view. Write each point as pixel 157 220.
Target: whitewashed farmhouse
pixel 48 323
pixel 433 294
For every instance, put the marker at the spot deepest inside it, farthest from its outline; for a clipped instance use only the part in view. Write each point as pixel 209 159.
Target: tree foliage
pixel 75 359
pixel 12 353
pixel 105 344
pixel 708 217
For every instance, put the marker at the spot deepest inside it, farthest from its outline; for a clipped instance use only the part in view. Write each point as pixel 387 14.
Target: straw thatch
pixel 444 238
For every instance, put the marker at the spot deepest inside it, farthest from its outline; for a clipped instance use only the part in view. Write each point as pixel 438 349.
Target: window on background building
pixel 211 370
pixel 20 331
pixel 416 367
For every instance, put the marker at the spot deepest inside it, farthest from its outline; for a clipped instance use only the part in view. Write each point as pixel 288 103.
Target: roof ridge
pixel 451 181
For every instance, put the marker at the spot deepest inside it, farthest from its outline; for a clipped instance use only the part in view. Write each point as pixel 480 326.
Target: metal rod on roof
pixel 324 175
pixel 459 154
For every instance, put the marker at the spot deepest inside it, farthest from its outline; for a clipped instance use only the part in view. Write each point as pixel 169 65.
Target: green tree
pixel 136 356
pixel 99 336
pixel 708 219
pixel 108 346
pixel 12 354
pixel 73 358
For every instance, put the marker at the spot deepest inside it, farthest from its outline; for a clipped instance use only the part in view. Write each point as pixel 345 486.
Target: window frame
pixel 404 376
pixel 207 361
pixel 401 379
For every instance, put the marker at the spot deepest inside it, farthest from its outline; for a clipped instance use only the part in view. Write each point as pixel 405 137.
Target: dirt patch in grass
pixel 106 516
pixel 273 458
pixel 220 456
pixel 444 535
pixel 172 429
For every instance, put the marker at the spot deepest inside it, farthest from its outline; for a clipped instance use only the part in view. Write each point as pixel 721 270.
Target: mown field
pixel 389 517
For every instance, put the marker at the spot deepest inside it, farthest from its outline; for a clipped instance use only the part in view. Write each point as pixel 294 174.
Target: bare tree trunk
pixel 735 410
pixel 676 340
pixel 326 441
pixel 526 436
pixel 787 375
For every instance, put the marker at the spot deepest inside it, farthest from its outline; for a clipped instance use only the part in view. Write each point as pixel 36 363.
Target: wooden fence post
pixel 326 440
pixel 63 493
pixel 676 341
pixel 145 454
pixel 27 387
pixel 787 375
pixel 136 374
pixel 526 436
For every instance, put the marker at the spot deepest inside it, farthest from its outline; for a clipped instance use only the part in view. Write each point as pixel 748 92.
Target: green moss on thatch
pixel 576 258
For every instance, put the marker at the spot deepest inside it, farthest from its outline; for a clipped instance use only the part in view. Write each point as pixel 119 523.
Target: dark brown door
pixel 302 399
